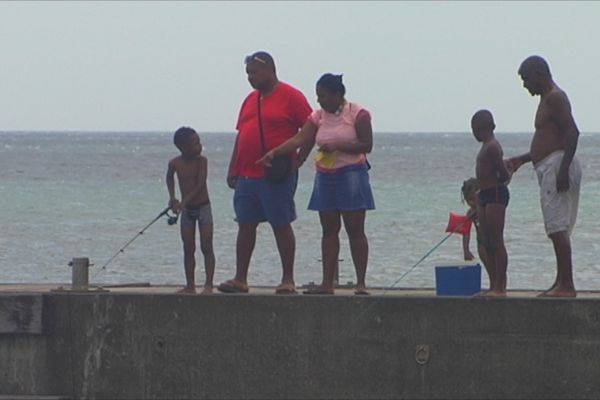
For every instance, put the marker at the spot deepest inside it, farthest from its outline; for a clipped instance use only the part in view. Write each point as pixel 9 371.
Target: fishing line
pixel 172 220
pixel 420 261
pixel 454 230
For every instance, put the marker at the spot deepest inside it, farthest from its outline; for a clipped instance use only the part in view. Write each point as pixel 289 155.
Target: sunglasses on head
pixel 251 58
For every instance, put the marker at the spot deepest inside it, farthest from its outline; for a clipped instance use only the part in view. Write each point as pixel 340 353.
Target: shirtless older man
pixel 552 153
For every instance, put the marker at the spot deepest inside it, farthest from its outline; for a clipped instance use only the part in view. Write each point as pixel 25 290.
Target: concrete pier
pixel 149 342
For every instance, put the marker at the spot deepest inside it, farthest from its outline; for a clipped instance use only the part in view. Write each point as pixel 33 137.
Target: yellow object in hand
pixel 326 159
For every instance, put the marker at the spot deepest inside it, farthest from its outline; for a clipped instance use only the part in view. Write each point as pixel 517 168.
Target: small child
pixel 492 200
pixel 469 191
pixel 191 169
pixel 469 195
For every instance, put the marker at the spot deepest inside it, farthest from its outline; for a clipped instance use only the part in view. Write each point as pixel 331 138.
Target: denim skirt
pixel 346 189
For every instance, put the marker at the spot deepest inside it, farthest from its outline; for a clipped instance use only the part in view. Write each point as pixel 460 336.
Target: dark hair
pixel 536 63
pixel 469 186
pixel 483 120
pixel 332 83
pixel 182 134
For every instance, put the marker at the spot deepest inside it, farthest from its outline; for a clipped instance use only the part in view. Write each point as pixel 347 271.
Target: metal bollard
pixel 80 275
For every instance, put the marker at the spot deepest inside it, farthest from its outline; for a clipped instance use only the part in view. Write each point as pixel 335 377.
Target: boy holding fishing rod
pixel 492 200
pixel 191 169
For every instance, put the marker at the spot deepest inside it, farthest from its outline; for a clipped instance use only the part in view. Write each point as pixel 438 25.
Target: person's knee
pixel 494 244
pixel 485 242
pixel 284 229
pixel 354 225
pixel 206 248
pixel 247 228
pixel 330 230
pixel 354 235
pixel 559 236
pixel 189 247
pixel 355 231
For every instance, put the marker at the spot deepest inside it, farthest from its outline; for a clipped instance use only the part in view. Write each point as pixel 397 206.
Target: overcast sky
pixel 418 66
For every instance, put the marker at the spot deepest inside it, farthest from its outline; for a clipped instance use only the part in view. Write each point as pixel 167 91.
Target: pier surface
pixel 145 341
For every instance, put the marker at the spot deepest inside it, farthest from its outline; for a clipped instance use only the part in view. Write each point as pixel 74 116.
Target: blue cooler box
pixel 457 280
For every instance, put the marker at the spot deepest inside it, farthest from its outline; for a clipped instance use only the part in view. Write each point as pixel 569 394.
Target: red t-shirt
pixel 283 111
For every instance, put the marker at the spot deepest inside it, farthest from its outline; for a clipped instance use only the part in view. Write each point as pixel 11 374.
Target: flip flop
pixel 285 290
pixel 361 293
pixel 230 287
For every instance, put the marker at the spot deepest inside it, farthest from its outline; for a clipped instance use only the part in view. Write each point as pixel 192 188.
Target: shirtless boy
pixel 552 152
pixel 492 178
pixel 191 170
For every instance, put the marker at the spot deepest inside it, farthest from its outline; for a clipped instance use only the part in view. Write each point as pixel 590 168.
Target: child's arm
pixel 499 165
pixel 171 184
pixel 200 182
pixel 468 256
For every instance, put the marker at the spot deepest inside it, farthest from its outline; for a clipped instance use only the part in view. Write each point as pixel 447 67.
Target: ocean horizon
pixel 86 193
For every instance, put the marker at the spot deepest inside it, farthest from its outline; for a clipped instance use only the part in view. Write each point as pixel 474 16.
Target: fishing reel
pixel 172 219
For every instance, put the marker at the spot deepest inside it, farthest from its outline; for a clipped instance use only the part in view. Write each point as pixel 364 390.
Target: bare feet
pixel 557 291
pixel 187 290
pixel 208 289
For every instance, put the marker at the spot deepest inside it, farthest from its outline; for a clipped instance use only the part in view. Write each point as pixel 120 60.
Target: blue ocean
pixel 86 194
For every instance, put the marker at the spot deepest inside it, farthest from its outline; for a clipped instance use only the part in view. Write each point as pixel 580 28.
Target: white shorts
pixel 559 209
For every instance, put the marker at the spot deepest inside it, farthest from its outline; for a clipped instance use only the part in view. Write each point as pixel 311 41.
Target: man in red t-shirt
pixel 283 111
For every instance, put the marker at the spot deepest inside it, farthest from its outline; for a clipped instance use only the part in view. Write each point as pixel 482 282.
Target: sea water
pixel 86 194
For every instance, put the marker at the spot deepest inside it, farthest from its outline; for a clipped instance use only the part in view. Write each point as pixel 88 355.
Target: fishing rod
pixel 455 229
pixel 421 260
pixel 172 220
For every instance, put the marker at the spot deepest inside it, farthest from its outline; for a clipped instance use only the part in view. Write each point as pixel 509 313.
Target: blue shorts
pixel 496 195
pixel 259 200
pixel 347 189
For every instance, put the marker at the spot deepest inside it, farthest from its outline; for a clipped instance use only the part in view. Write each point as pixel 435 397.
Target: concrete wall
pixel 253 346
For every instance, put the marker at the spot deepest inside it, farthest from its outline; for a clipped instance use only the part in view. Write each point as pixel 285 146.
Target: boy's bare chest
pixel 187 169
pixel 483 157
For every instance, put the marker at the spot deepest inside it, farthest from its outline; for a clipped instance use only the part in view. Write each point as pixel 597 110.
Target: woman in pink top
pixel 343 134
